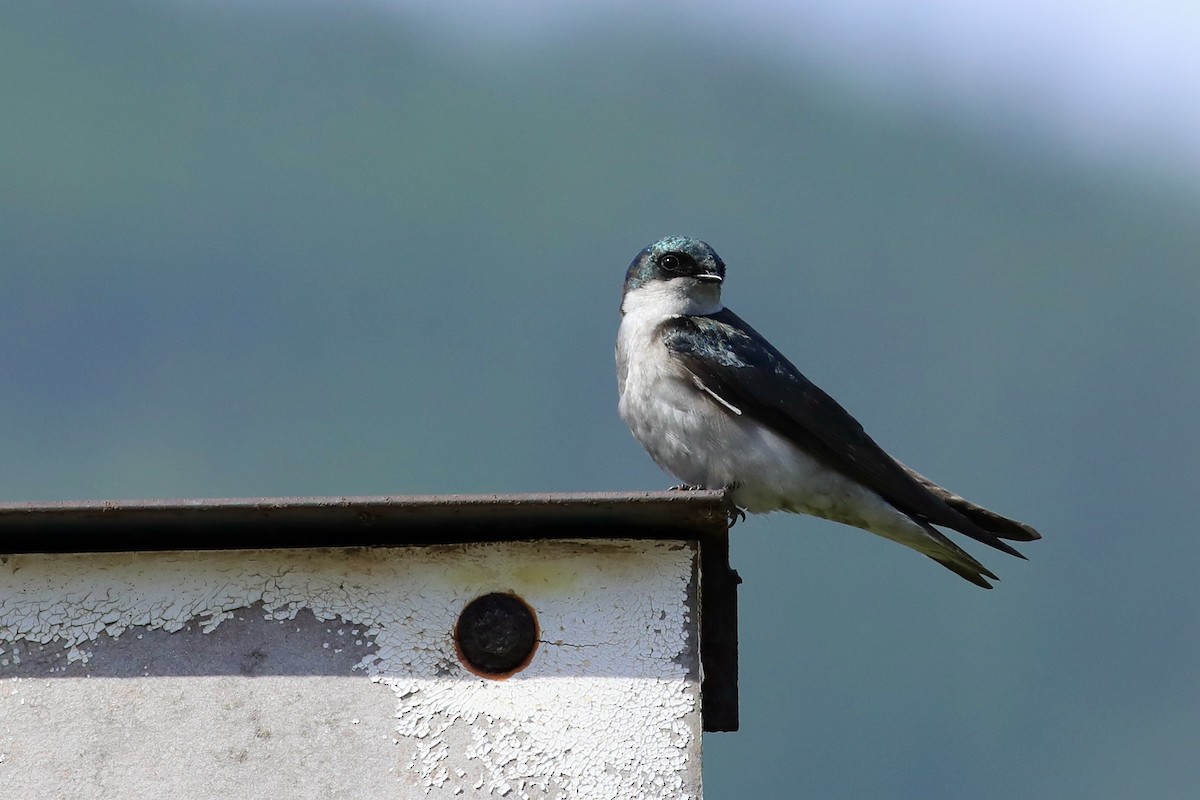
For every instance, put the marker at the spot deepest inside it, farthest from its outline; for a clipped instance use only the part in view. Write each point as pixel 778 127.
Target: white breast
pixel 658 400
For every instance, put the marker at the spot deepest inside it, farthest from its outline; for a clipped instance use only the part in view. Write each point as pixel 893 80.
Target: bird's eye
pixel 670 261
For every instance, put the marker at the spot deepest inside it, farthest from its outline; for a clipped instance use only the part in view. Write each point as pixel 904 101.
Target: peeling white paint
pixel 606 709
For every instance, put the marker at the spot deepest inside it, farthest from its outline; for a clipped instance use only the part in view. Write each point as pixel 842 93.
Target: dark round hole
pixel 496 634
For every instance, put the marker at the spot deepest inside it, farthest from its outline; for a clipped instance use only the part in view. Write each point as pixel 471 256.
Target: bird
pixel 718 407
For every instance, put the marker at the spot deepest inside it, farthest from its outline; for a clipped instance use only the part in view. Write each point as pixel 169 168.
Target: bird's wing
pixel 987 519
pixel 731 361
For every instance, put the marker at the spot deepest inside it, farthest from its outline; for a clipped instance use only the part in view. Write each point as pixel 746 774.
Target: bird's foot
pixel 734 513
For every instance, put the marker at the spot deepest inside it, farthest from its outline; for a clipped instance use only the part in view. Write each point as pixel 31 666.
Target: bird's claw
pixel 732 511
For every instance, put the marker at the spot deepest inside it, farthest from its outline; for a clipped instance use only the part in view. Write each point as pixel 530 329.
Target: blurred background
pixel 321 248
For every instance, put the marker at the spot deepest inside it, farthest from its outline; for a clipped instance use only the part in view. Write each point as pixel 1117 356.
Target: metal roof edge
pixel 395 520
pixel 111 525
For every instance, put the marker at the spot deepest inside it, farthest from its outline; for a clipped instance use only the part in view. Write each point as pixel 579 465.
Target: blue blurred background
pixel 273 248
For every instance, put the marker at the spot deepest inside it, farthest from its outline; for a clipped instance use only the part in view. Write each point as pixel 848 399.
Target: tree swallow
pixel 718 407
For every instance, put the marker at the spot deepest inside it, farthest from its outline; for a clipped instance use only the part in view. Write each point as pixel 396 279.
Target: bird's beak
pixel 709 277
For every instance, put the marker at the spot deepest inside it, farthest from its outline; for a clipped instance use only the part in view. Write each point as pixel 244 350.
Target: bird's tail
pixel 966 567
pixel 928 540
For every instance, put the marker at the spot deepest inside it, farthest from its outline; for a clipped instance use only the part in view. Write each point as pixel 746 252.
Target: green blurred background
pixel 338 248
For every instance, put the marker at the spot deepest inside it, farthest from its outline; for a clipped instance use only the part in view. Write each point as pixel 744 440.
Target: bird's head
pixel 681 274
